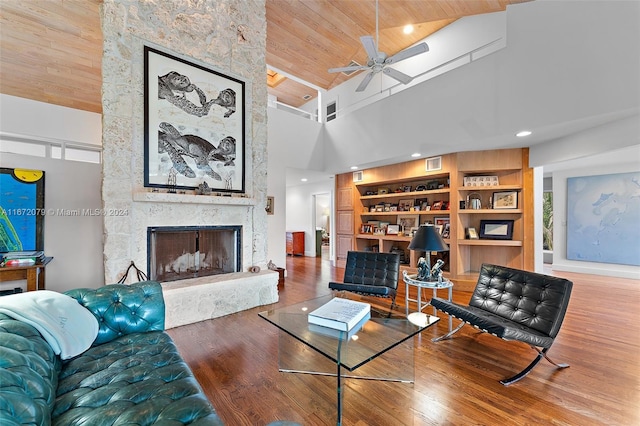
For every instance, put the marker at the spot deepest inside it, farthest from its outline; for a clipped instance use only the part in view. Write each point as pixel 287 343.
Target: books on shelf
pixel 21 258
pixel 338 334
pixel 340 314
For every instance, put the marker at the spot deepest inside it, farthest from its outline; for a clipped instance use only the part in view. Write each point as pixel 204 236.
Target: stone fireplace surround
pixel 128 26
pixel 198 299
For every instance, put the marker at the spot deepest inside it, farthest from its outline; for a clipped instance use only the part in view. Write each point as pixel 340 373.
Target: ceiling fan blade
pixel 348 69
pixel 400 76
pixel 407 53
pixel 365 82
pixel 369 46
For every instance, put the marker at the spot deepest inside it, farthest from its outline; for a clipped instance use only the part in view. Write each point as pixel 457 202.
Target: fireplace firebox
pixel 181 252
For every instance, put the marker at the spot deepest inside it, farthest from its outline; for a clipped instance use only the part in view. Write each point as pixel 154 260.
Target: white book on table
pixel 338 334
pixel 340 314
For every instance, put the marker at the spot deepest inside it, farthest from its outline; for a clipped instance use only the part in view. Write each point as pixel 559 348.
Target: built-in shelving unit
pixel 387 195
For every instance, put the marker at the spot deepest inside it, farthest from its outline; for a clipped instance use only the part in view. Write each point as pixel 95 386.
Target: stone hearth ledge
pixel 203 298
pixel 165 197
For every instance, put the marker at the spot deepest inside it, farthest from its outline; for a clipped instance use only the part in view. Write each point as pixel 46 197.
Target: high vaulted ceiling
pixel 51 50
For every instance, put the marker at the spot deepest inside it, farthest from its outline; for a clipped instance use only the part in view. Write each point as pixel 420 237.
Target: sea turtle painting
pixel 177 146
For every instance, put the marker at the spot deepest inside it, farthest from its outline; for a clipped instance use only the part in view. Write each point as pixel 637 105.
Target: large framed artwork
pixel 21 210
pixel 194 126
pixel 603 213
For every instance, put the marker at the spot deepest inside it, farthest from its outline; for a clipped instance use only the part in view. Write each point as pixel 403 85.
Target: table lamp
pixel 427 238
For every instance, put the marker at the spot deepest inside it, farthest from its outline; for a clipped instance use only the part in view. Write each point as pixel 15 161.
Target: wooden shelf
pixel 491 188
pixel 434 212
pixel 465 257
pixel 383 237
pixel 411 194
pixel 503 243
pixel 490 211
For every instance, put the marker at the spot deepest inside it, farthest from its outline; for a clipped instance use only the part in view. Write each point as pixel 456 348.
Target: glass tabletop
pixel 378 335
pixel 412 280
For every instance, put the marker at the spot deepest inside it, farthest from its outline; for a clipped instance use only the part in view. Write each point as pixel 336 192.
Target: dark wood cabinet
pixel 295 243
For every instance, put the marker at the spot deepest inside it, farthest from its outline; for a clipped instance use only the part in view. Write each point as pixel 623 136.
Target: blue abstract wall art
pixel 21 210
pixel 603 218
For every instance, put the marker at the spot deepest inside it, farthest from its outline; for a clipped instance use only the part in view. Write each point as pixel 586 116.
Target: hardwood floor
pixel 235 360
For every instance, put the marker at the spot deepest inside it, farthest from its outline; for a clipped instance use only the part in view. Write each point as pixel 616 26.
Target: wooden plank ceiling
pixel 51 50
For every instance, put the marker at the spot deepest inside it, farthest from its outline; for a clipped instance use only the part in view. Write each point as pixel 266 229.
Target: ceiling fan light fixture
pixel 379 61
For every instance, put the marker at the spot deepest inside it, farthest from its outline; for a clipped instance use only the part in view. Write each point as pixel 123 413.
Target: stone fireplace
pixel 230 38
pixel 182 252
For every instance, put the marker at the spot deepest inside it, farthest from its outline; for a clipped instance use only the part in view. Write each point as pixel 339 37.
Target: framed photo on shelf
pixel 496 229
pixel 446 230
pixel 194 125
pixel 472 234
pixel 440 220
pixel 505 200
pixel 405 205
pixel 367 228
pixel 393 229
pixel 407 222
pixel 437 205
pixel 406 188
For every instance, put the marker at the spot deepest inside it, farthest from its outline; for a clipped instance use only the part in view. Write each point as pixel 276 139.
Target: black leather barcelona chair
pixel 371 274
pixel 514 305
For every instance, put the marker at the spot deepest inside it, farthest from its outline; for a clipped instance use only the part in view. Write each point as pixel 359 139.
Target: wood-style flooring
pixel 235 359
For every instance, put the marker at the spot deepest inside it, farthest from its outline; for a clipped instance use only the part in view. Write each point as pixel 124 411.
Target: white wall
pixel 31 118
pixel 301 210
pixel 293 142
pixel 617 161
pixel 557 82
pixel 75 242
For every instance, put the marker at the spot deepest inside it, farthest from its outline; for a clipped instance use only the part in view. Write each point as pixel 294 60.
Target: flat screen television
pixel 21 210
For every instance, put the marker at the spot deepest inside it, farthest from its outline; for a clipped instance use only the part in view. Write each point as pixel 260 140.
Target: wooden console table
pixel 34 274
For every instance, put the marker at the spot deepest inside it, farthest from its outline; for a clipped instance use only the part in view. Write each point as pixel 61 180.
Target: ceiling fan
pixel 379 61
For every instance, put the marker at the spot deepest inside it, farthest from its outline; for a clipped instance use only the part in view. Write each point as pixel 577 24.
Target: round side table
pixel 410 280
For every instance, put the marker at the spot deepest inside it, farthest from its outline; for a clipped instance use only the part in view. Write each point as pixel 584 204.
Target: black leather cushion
pixel 491 323
pixel 514 305
pixel 533 300
pixel 136 379
pixel 371 273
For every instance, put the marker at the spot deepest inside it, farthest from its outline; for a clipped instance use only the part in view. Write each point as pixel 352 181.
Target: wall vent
pixel 306 97
pixel 358 176
pixel 433 163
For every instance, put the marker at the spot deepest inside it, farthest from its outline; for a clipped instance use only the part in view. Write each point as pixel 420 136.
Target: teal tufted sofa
pixel 131 375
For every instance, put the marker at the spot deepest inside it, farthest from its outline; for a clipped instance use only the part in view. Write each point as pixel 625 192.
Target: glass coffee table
pixel 341 355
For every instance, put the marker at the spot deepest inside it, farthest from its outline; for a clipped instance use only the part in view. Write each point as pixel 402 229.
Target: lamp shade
pixel 428 238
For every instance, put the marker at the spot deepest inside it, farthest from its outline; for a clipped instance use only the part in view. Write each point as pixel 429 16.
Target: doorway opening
pixel 322 224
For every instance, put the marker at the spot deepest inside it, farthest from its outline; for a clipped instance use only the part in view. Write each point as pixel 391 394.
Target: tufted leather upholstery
pixel 370 273
pixel 133 373
pixel 28 374
pixel 514 305
pixel 122 309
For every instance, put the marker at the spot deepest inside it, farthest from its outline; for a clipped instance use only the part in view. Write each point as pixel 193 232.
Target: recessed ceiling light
pixel 523 133
pixel 408 29
pixel 354 167
pixel 415 154
pixel 304 179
